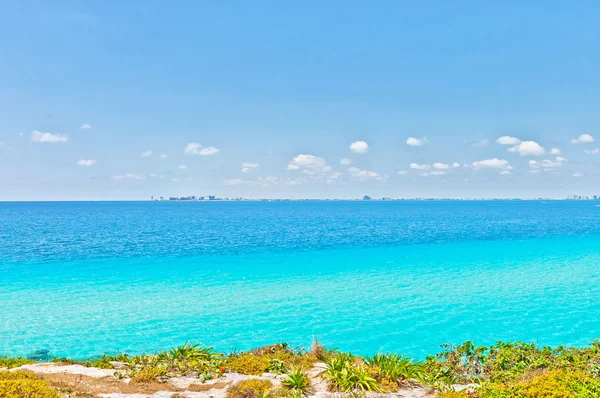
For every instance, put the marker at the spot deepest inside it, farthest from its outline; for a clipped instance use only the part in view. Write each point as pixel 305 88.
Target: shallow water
pixel 83 279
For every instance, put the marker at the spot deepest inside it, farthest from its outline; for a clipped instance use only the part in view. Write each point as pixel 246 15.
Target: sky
pixel 314 99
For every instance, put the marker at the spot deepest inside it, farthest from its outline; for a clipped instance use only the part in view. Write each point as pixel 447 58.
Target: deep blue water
pixel 88 278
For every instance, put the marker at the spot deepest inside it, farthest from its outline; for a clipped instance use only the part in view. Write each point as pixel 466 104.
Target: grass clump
pixel 6 362
pixel 24 385
pixel 297 381
pixel 251 388
pixel 392 370
pixel 346 374
pixel 187 360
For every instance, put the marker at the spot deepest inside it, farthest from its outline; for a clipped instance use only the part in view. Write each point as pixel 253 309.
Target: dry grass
pixel 85 386
pixel 206 387
pixel 90 386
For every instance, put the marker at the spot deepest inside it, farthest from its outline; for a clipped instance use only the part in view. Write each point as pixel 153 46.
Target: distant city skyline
pixel 124 101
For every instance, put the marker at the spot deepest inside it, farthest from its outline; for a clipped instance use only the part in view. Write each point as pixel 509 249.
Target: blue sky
pixel 266 98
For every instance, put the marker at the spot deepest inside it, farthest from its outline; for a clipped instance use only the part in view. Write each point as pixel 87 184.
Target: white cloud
pixel 534 171
pixel 494 163
pixel 437 173
pixel 505 172
pixel 508 140
pixel 528 148
pixel 582 139
pixel 209 150
pixel 555 151
pixel 147 153
pixel 164 156
pixel 359 147
pixel 127 176
pixel 87 163
pixel 85 126
pixel 419 166
pixel 402 172
pixel 309 162
pixel 194 148
pixel 593 151
pixel 346 161
pixel 480 144
pixel 443 166
pixel 577 175
pixel 38 136
pixel 364 174
pixel 412 141
pixel 546 163
pixel 247 166
pixel 182 167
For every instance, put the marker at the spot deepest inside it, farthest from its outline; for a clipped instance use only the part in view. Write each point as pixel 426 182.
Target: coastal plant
pixel 276 366
pixel 292 358
pixel 346 376
pixel 392 370
pixel 148 374
pixel 296 380
pixel 248 364
pixel 319 351
pixel 557 383
pixel 9 363
pixel 250 388
pixel 24 385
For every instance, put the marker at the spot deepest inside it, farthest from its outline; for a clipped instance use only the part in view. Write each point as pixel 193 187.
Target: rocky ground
pixel 80 381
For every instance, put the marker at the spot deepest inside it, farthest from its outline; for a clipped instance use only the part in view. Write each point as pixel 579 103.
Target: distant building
pixel 211 197
pixel 366 197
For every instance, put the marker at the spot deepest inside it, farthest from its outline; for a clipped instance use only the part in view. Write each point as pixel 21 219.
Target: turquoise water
pixel 82 279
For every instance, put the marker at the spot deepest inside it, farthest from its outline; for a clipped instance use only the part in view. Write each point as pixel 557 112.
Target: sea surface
pixel 86 278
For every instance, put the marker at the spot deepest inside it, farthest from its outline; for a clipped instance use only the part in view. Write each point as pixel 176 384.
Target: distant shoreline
pixel 309 200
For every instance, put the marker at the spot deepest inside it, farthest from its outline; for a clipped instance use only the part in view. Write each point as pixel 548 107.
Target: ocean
pixel 86 278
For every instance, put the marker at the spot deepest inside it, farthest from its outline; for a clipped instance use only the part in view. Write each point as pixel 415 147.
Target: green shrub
pixel 276 366
pixel 6 362
pixel 345 376
pixel 296 380
pixel 18 375
pixel 553 384
pixel 24 385
pixel 251 388
pixel 392 370
pixel 248 364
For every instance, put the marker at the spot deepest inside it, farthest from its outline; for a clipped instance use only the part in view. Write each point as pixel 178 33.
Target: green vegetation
pixel 251 388
pixel 6 362
pixel 24 385
pixel 347 373
pixel 499 371
pixel 296 381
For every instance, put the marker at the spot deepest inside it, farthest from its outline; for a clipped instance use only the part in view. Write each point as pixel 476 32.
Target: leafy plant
pixel 276 366
pixel 345 376
pixel 392 368
pixel 296 380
